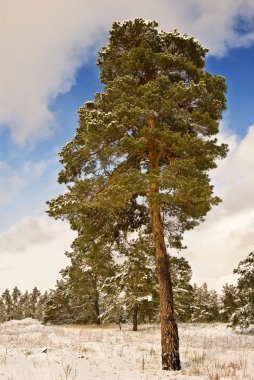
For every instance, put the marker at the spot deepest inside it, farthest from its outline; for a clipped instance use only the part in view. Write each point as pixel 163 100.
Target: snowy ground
pixel 29 351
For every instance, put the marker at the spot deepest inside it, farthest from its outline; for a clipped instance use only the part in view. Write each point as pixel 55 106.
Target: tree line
pixel 130 295
pixel 17 305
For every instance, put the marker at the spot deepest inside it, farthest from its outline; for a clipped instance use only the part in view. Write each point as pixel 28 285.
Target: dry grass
pixel 223 355
pixel 83 352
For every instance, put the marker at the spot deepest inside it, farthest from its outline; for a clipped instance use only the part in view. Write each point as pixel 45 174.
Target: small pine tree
pixel 134 284
pixel 16 312
pixel 228 302
pixel 79 287
pixel 244 313
pixel 206 305
pixel 182 289
pixel 24 305
pixel 8 304
pixel 40 307
pixel 57 308
pixel 34 299
pixel 3 316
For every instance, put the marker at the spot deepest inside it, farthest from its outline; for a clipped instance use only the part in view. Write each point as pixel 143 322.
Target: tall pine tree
pixel 147 140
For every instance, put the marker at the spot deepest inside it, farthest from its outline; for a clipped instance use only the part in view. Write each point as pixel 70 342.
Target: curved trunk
pixel 169 330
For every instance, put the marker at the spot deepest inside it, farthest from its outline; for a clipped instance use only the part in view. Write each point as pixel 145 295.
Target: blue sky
pixel 236 67
pixel 46 74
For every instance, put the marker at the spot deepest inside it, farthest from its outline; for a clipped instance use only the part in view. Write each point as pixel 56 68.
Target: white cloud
pixel 32 253
pixel 10 183
pixel 233 176
pixel 43 44
pixel 217 26
pixel 25 188
pixel 13 180
pixel 226 237
pixel 30 232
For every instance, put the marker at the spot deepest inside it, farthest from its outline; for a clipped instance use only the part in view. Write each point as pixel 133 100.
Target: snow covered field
pixel 29 351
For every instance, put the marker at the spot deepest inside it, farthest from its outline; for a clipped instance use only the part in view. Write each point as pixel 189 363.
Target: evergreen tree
pixel 244 314
pixel 147 140
pixel 3 316
pixel 8 304
pixel 133 286
pixel 24 305
pixel 16 312
pixel 16 305
pixel 41 304
pixel 206 305
pixel 58 309
pixel 93 262
pixel 182 289
pixel 80 284
pixel 228 300
pixel 34 300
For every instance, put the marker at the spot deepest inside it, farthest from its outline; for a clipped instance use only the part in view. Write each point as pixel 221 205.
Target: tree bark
pixel 135 317
pixel 97 312
pixel 169 330
pixel 97 304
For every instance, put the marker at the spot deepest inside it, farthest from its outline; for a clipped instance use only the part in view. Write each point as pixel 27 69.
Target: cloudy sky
pixel 47 71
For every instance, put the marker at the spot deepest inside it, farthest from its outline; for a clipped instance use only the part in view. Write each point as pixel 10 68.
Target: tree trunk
pixel 97 305
pixel 97 312
pixel 169 330
pixel 135 317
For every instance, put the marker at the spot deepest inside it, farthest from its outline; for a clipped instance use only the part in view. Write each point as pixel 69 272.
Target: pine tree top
pixel 147 138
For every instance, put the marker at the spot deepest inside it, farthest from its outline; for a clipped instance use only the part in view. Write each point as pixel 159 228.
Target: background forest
pixel 126 293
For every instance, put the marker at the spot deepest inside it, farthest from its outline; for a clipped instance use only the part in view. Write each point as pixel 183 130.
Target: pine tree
pixel 206 305
pixel 24 305
pixel 182 289
pixel 147 140
pixel 16 305
pixel 40 307
pixel 228 301
pixel 244 313
pixel 80 284
pixel 94 263
pixel 16 312
pixel 34 300
pixel 58 309
pixel 133 286
pixel 3 316
pixel 8 304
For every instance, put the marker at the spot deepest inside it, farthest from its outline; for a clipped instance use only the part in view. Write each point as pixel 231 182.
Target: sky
pixel 48 70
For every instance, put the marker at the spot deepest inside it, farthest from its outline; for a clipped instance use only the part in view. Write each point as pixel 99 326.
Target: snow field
pixel 29 351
